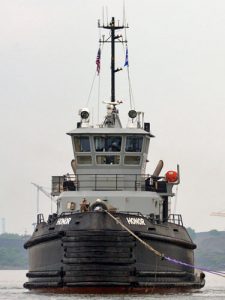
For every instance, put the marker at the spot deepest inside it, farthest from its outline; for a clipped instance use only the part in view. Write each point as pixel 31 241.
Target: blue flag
pixel 126 64
pixel 98 61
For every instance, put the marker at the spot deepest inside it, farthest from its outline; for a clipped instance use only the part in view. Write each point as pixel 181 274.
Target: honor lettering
pixel 63 221
pixel 135 221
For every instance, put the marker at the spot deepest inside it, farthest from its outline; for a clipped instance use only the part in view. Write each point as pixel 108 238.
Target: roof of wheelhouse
pixel 90 130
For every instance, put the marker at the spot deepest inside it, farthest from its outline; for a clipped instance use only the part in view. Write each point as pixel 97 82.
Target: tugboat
pixel 113 231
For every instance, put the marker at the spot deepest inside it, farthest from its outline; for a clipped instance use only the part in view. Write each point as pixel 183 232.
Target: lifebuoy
pixel 171 176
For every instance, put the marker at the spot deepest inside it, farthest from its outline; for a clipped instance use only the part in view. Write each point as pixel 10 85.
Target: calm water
pixel 11 287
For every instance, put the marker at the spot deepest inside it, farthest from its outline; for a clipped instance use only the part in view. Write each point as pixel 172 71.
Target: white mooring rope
pixel 172 260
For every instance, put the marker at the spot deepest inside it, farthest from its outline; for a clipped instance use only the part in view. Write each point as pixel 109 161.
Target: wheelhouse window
pixel 108 159
pixel 108 143
pixel 84 160
pixel 132 160
pixel 134 143
pixel 82 144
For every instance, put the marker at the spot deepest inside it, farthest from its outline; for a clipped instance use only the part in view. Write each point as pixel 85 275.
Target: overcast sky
pixel 177 67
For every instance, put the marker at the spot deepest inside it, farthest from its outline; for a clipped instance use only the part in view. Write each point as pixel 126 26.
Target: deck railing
pixel 176 219
pixel 105 182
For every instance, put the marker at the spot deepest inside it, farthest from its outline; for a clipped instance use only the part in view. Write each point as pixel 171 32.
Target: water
pixel 11 287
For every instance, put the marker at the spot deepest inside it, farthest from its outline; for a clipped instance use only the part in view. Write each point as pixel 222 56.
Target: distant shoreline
pixel 12 269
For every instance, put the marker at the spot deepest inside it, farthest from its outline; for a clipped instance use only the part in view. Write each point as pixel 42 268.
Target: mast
pixel 113 60
pixel 113 39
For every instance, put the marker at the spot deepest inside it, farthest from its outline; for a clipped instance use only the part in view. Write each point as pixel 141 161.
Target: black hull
pixel 94 254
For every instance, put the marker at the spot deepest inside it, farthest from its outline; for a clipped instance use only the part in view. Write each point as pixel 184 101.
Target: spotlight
pixel 132 114
pixel 84 113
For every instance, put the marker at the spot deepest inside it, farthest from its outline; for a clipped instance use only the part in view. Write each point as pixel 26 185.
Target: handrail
pixel 175 218
pixel 114 182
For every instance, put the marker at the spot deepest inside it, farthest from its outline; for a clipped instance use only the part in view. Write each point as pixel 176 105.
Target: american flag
pixel 98 60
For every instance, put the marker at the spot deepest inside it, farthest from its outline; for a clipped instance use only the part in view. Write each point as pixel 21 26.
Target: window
pixel 84 160
pixel 108 159
pixel 134 144
pixel 82 144
pixel 108 143
pixel 132 160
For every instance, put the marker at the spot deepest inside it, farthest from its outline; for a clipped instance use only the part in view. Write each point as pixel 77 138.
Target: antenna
pixel 103 15
pixel 124 13
pixel 106 9
pixel 113 39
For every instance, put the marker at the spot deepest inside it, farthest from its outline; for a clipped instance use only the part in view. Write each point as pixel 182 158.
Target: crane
pixel 40 188
pixel 218 214
pixel 2 225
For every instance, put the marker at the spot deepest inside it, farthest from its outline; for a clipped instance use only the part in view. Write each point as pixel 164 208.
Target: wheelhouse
pixel 120 149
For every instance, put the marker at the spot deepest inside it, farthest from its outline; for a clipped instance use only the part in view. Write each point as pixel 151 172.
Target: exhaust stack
pixel 158 169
